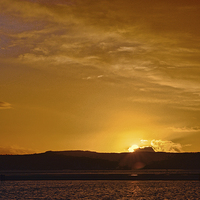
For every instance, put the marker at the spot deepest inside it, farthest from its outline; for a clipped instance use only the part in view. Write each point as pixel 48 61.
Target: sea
pixel 107 190
pixel 100 189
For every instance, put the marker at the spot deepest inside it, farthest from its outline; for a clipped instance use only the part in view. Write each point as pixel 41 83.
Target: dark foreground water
pixel 56 189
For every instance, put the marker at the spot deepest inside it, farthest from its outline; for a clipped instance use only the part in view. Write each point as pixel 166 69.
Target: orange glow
pixel 133 147
pixel 100 76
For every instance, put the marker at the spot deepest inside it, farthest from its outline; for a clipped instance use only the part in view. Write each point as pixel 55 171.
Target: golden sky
pixel 99 75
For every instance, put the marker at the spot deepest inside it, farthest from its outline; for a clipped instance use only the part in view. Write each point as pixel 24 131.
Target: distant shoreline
pixel 82 160
pixel 99 175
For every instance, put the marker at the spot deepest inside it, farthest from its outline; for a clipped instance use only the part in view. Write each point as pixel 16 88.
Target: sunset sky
pixel 99 75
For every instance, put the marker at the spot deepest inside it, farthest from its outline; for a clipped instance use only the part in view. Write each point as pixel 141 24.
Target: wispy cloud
pixel 166 146
pixel 5 105
pixel 126 49
pixel 163 145
pixel 185 129
pixel 14 150
pixel 136 58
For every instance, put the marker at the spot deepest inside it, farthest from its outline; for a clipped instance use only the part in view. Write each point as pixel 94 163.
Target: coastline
pixel 133 175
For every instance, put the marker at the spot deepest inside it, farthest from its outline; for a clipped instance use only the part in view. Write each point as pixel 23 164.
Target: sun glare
pixel 133 147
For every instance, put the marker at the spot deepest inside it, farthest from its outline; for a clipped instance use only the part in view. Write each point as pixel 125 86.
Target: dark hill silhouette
pixel 87 160
pixel 51 161
pixel 177 161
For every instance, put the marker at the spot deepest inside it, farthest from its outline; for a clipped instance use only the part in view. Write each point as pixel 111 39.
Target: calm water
pixel 100 190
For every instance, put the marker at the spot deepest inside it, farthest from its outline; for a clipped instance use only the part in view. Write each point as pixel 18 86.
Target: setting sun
pixel 133 147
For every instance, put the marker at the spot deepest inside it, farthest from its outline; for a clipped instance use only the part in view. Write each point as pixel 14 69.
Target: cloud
pixel 185 129
pixel 13 150
pixel 94 77
pixel 145 57
pixel 5 105
pixel 22 9
pixel 58 2
pixel 166 146
pixel 127 49
pixel 186 85
pixel 143 141
pixel 163 145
